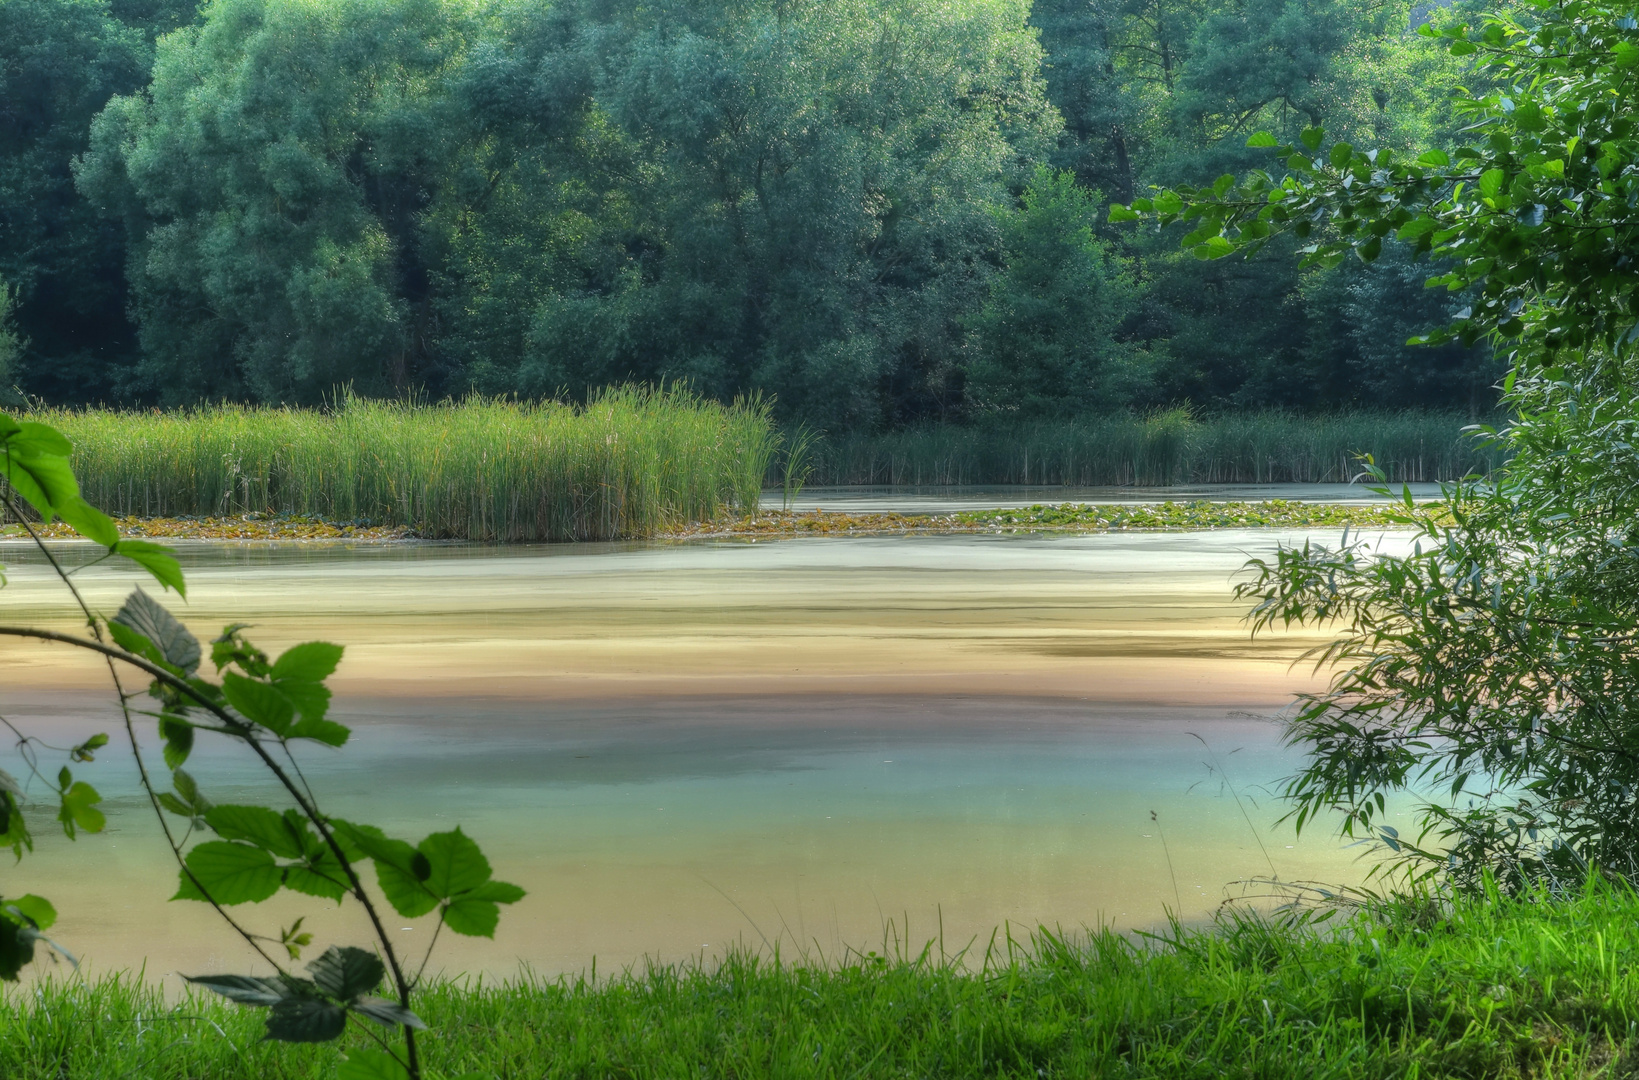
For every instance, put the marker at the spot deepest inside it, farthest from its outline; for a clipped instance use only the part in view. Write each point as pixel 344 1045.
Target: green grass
pixel 628 463
pixel 1164 448
pixel 1487 988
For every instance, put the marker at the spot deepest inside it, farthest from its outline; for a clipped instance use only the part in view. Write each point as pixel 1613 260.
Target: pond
pixel 675 747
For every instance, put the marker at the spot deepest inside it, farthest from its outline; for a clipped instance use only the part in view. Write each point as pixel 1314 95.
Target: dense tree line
pixel 879 211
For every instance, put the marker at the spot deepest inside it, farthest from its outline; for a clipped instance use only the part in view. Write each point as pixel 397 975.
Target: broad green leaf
pixel 400 868
pixel 232 873
pixel 259 702
pixel 1434 158
pixel 244 989
pixel 500 892
pixel 44 481
pixel 258 825
pixel 33 437
pixel 346 972
pixel 178 735
pixel 457 864
pixel 322 878
pixel 1491 182
pixel 79 809
pixel 1312 137
pixel 473 918
pixel 325 731
pixel 388 1013
pixel 311 661
pixel 1341 154
pixel 188 788
pixel 1119 213
pixel 147 617
pixel 364 1063
pixel 159 560
pixel 88 521
pixel 305 1020
pixel 1262 139
pixel 37 909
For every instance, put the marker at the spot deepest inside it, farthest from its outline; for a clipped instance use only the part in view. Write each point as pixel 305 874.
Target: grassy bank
pixel 629 463
pixel 1495 988
pixel 1164 448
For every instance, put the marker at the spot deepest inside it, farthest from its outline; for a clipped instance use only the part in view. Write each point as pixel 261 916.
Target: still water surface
pixel 676 747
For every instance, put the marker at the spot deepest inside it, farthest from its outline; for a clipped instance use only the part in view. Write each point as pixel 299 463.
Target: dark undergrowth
pixel 1488 987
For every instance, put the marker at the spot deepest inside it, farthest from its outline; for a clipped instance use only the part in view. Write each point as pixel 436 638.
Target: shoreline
pixel 1199 516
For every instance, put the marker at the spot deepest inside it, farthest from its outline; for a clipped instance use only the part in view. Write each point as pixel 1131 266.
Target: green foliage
pixel 624 464
pixel 265 705
pixel 1491 671
pixel 1482 987
pixel 60 62
pixel 1045 341
pixel 1162 448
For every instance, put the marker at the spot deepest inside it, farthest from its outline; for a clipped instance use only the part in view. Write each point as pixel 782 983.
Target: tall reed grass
pixel 1171 447
pixel 627 463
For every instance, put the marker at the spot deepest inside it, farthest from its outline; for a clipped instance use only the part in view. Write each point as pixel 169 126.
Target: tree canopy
pixel 839 204
pixel 1492 671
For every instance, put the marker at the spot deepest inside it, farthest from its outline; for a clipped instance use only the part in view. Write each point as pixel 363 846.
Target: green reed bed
pixel 628 463
pixel 1490 988
pixel 1171 447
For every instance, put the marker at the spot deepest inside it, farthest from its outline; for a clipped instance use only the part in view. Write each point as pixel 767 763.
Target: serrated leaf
pixel 233 873
pixel 457 864
pixel 346 972
pixel 473 918
pixel 325 731
pixel 259 702
pixel 363 1063
pixel 388 1013
pixel 400 868
pixel 1262 139
pixel 258 825
pixel 305 1020
pixel 321 878
pixel 79 809
pixel 43 480
pixel 500 892
pixel 88 521
pixel 244 989
pixel 1491 182
pixel 148 618
pixel 179 737
pixel 159 560
pixel 311 661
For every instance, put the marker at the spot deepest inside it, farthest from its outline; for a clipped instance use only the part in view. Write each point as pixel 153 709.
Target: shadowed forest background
pixel 881 213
